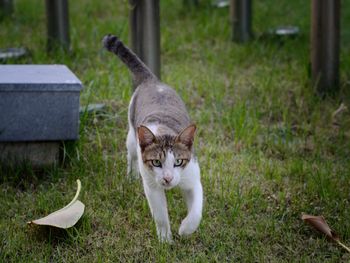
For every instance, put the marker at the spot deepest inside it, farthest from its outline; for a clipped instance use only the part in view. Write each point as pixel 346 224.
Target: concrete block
pixel 38 103
pixel 37 154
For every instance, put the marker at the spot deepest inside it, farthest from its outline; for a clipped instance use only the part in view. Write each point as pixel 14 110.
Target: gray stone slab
pixel 38 103
pixel 38 78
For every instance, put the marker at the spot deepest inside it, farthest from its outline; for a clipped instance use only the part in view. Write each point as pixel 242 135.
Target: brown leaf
pixel 320 224
pixel 66 217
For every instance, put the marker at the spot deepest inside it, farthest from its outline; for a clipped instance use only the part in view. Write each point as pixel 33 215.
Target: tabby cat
pixel 160 144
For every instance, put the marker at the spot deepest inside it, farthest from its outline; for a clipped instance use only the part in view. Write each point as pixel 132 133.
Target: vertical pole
pixel 135 21
pixel 145 32
pixel 241 16
pixel 190 2
pixel 6 7
pixel 325 45
pixel 57 24
pixel 151 36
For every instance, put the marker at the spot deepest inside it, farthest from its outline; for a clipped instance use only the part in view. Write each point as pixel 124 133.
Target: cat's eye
pixel 156 163
pixel 178 162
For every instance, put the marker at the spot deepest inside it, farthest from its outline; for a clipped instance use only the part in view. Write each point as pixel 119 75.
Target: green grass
pixel 267 146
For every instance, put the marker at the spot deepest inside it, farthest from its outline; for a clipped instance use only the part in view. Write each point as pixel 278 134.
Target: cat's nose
pixel 167 179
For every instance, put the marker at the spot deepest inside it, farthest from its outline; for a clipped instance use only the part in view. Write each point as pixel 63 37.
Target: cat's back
pixel 156 102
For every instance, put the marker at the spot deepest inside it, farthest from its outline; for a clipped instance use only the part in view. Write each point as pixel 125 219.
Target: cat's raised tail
pixel 139 70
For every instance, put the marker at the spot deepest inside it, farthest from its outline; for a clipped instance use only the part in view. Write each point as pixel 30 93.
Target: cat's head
pixel 166 156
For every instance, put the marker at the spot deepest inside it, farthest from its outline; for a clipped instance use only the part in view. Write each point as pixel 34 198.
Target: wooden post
pixel 241 16
pixel 145 32
pixel 57 24
pixel 6 7
pixel 325 36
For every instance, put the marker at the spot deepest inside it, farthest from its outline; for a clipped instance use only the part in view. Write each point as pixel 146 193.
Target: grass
pixel 268 147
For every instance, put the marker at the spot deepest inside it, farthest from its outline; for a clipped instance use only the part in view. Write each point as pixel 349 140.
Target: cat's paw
pixel 168 240
pixel 165 237
pixel 189 225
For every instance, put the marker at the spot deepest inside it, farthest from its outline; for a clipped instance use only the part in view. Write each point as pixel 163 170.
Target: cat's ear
pixel 146 137
pixel 186 137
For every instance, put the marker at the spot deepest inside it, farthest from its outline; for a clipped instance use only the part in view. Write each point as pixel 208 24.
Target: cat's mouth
pixel 167 186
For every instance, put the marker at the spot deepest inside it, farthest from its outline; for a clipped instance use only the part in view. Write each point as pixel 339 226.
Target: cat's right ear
pixel 146 137
pixel 186 137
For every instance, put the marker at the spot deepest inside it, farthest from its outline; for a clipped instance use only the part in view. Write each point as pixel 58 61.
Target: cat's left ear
pixel 146 137
pixel 186 137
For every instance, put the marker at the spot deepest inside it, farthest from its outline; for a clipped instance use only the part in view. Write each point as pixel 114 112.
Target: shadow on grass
pixel 54 236
pixel 23 176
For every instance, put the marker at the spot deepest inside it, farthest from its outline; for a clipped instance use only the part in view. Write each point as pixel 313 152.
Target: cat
pixel 160 144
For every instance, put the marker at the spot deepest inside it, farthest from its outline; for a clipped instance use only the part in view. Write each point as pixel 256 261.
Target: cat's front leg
pixel 131 145
pixel 157 202
pixel 194 201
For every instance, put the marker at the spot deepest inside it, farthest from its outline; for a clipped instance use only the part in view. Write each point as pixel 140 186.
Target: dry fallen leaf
pixel 320 224
pixel 337 116
pixel 342 108
pixel 66 217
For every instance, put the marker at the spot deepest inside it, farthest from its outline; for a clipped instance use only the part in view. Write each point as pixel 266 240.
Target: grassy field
pixel 269 149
